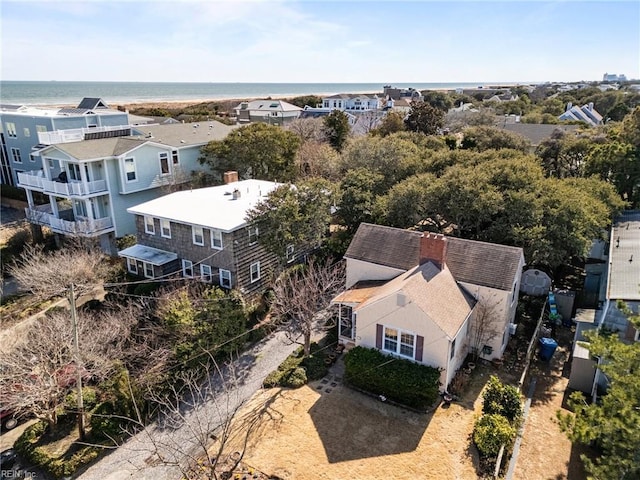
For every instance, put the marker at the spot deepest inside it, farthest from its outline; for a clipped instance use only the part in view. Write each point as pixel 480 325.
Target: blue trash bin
pixel 547 348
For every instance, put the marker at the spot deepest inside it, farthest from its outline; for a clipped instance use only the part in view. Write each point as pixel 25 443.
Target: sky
pixel 319 41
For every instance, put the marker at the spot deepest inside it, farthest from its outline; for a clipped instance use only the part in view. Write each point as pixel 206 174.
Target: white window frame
pixel 164 156
pixel 126 162
pixel 254 272
pixel 148 269
pixel 255 233
pixel 15 155
pixel 132 266
pixel 11 129
pixel 399 342
pixel 149 225
pixel 41 128
pixel 216 235
pixel 225 278
pixel 187 268
pixel 290 253
pixel 195 233
pixel 165 225
pixel 206 274
pixel 26 132
pixel 175 157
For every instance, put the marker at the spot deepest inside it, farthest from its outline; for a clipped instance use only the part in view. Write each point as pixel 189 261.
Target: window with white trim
pixel 216 239
pixel 32 157
pixel 26 132
pixel 205 273
pixel 164 163
pixel 198 235
pixel 130 169
pixel 165 228
pixel 15 153
pixel 399 342
pixel 187 268
pixel 41 128
pixel 132 266
pixel 149 225
pixel 11 129
pixel 290 253
pixel 225 278
pixel 175 159
pixel 148 270
pixel 254 271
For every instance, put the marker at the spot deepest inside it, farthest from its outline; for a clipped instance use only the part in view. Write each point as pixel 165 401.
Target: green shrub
pixel 89 399
pixel 314 366
pixel 491 432
pixel 502 399
pixel 399 380
pixel 296 378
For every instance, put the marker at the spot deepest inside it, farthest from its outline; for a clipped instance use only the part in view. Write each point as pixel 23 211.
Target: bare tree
pixel 318 159
pixel 485 325
pixel 302 297
pixel 71 272
pixel 203 426
pixel 41 370
pixel 308 129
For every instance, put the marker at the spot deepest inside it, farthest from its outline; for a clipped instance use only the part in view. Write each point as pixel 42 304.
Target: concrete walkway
pixel 138 457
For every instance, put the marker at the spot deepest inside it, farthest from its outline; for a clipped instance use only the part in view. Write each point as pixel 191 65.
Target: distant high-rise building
pixel 612 77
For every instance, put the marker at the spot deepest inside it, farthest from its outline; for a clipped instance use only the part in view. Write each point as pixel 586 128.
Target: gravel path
pixel 136 458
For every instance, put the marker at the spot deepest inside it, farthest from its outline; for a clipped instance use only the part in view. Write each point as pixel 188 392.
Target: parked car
pixel 8 459
pixel 8 419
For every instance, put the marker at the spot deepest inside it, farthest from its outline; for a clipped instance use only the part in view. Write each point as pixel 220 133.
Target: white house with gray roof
pixel 273 112
pixel 90 182
pixel 421 296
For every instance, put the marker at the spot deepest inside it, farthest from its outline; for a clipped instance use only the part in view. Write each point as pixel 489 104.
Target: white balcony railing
pixel 78 134
pixel 70 189
pixel 82 226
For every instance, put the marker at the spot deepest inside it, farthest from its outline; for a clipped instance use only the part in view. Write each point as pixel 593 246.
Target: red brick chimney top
pixel 433 248
pixel 230 177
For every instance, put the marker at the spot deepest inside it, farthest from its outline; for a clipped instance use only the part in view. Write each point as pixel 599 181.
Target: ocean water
pixel 70 93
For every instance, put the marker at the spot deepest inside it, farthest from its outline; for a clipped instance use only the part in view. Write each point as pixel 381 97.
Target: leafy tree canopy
pixel 258 150
pixel 337 129
pixel 424 118
pixel 293 215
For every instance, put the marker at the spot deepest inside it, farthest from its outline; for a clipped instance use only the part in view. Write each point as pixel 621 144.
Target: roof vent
pixel 236 194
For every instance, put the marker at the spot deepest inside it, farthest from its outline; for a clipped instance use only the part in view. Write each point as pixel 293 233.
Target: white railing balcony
pixel 73 188
pixel 78 134
pixel 41 215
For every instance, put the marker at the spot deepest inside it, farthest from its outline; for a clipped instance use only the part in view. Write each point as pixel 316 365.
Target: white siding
pixel 357 271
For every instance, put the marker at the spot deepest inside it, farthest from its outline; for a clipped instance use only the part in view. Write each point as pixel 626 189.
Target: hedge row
pixel 295 371
pixel 401 381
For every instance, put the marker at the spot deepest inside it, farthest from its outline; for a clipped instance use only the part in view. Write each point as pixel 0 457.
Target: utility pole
pixel 76 354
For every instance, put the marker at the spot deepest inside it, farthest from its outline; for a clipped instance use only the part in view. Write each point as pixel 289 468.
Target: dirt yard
pixel 327 431
pixel 546 452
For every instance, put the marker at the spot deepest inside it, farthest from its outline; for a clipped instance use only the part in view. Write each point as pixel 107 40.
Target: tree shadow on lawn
pixel 353 426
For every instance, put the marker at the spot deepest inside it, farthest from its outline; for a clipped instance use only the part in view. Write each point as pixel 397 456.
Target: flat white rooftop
pixel 212 207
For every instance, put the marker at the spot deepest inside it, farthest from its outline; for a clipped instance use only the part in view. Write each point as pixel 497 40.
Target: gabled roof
pixel 536 133
pixel 211 207
pixel 433 291
pixel 479 263
pixel 351 96
pixel 388 246
pixel 99 148
pixel 91 103
pixel 184 134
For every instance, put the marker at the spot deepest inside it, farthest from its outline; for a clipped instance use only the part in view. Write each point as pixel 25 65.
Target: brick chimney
pixel 433 248
pixel 230 177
